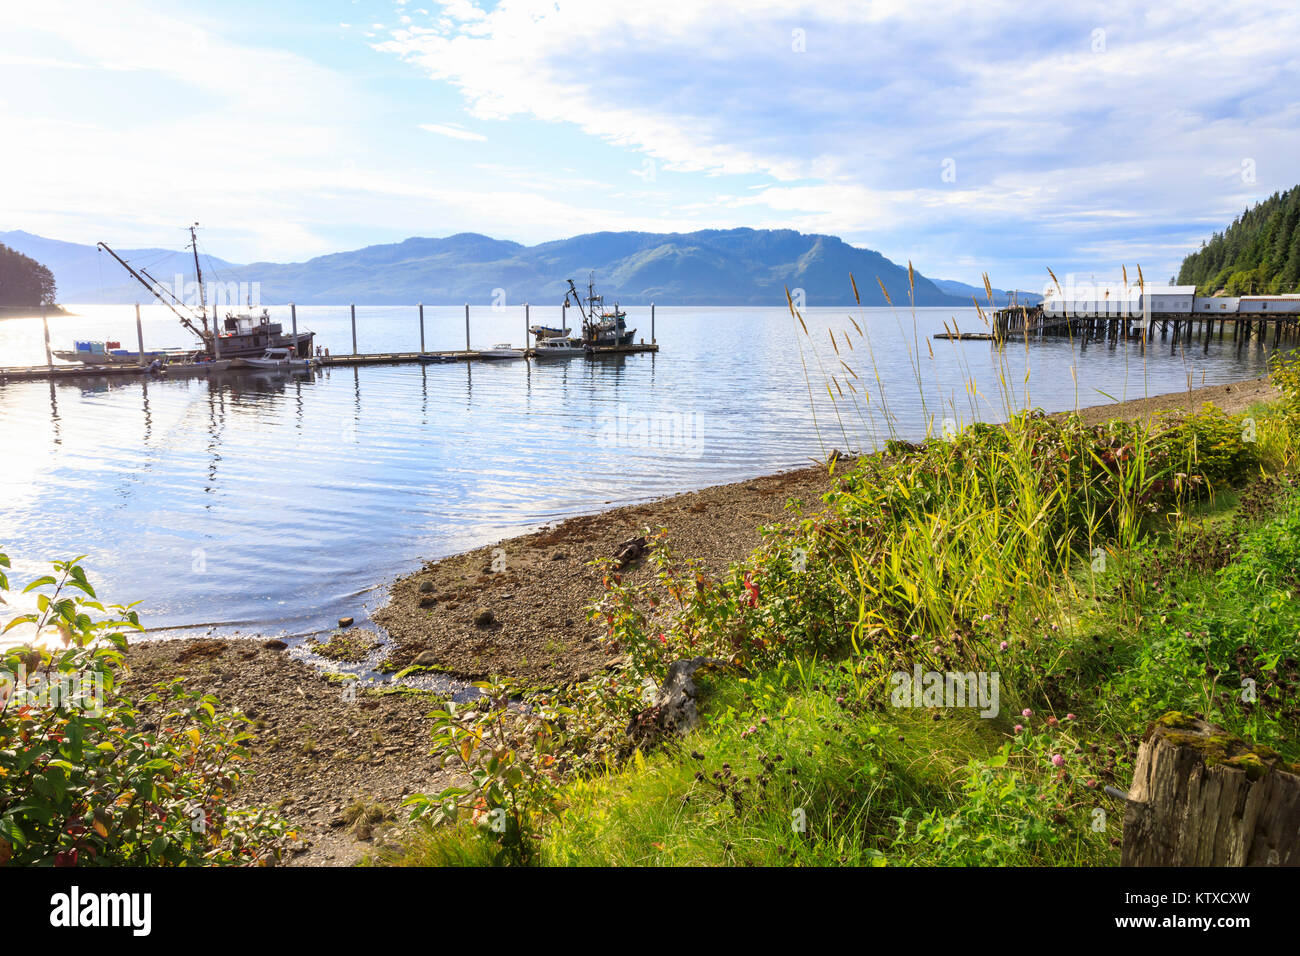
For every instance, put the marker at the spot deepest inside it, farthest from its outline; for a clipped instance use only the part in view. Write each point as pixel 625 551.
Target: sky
pixel 967 138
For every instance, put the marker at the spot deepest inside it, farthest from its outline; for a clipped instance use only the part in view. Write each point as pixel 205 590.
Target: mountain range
pixel 704 268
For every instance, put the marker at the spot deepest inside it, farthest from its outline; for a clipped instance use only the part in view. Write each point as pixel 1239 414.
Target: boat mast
pixel 203 301
pixel 153 290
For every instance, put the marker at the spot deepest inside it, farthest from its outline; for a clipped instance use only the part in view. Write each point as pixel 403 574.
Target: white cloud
pixel 1039 119
pixel 453 130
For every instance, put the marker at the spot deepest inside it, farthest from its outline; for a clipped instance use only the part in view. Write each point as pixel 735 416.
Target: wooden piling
pixel 652 323
pixel 139 334
pixel 526 322
pixel 467 327
pixel 293 318
pixel 49 353
pixel 354 328
pixel 421 327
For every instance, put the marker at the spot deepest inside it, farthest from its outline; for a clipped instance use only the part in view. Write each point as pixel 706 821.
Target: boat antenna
pixel 198 271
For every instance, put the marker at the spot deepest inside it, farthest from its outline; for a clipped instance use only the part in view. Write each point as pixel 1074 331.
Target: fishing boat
pixel 502 350
pixel 240 335
pixel 559 347
pixel 277 359
pixel 600 326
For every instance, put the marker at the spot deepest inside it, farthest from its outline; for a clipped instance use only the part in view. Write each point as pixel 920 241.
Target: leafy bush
pixel 84 780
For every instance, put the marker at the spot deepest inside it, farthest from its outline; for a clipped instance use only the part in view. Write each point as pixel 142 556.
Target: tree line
pixel 1259 253
pixel 23 280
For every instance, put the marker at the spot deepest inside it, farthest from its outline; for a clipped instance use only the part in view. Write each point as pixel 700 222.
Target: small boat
pixel 279 359
pixel 111 353
pixel 558 347
pixel 502 350
pixel 547 331
pixel 190 369
pixel 436 358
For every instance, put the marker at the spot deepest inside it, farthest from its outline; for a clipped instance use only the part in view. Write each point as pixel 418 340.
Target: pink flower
pixel 1058 760
pixel 1052 721
pixel 1026 713
pixel 1019 727
pixel 1071 717
pixel 1002 646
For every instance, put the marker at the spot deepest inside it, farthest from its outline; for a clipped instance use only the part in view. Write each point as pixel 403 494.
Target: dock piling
pixel 354 328
pixel 421 328
pixel 467 327
pixel 652 323
pixel 526 325
pixel 293 318
pixel 139 333
pixel 49 354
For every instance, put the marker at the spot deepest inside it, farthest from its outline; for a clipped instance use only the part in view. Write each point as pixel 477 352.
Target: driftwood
pixel 672 707
pixel 1202 797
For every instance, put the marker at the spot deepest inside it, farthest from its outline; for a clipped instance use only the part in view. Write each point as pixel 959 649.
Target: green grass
pixel 1105 576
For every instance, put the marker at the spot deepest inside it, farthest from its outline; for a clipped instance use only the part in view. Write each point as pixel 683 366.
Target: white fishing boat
pixel 502 350
pixel 276 360
pixel 558 347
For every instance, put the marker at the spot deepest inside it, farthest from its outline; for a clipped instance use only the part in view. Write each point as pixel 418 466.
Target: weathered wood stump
pixel 1202 797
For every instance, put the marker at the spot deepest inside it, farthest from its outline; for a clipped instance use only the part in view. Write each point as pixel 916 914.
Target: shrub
pixel 84 779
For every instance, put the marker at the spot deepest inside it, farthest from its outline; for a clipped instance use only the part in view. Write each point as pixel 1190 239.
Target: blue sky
pixel 965 137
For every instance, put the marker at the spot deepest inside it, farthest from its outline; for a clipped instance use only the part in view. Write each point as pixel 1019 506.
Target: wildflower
pixel 1019 727
pixel 1052 721
pixel 1071 717
pixel 1026 713
pixel 1002 646
pixel 1058 760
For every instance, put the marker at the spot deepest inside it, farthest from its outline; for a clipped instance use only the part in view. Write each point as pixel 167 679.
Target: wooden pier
pixel 1185 329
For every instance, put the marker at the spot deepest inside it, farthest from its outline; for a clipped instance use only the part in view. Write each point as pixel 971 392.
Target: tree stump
pixel 1202 797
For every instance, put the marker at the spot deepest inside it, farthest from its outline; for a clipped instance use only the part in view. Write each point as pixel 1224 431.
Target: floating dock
pixel 75 371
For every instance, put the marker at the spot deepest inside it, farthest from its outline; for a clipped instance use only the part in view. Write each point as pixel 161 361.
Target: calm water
pixel 281 503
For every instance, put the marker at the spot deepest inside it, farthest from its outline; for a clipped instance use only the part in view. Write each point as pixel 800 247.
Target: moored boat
pixel 240 335
pixel 276 359
pixel 502 350
pixel 600 326
pixel 558 347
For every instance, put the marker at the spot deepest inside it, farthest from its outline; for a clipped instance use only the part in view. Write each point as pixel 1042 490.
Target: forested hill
pixel 23 280
pixel 1258 253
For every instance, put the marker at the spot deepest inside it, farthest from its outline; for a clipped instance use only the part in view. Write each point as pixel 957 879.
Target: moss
pixel 1178 720
pixel 421 669
pixel 1249 762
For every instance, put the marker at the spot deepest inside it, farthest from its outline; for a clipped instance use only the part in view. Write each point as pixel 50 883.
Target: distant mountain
pixel 1258 253
pixel 1001 297
pixel 86 275
pixel 709 267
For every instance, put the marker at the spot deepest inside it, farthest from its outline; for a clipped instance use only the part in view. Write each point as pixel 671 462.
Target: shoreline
pixel 317 753
pixel 32 312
